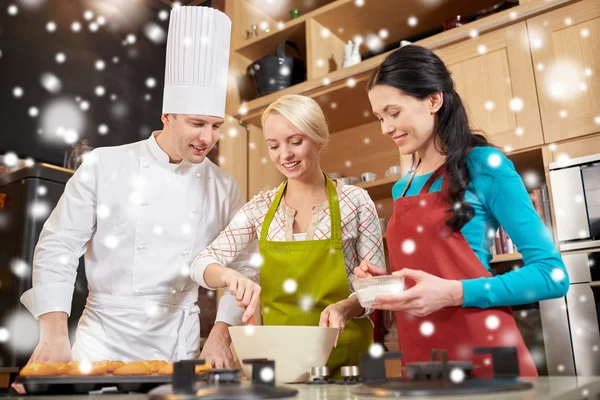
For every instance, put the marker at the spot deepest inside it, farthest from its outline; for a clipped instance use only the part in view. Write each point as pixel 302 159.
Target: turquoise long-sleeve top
pixel 498 197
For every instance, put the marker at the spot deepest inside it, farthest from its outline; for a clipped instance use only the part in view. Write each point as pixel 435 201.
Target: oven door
pixel 583 305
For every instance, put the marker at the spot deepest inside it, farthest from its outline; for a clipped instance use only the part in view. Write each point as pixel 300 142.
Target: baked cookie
pixel 133 368
pixel 39 369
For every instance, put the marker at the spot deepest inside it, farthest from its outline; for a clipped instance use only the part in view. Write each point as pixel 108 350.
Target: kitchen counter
pixel 555 388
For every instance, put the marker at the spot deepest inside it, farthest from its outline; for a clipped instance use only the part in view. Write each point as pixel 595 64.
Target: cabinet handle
pixel 595 284
pixel 2 200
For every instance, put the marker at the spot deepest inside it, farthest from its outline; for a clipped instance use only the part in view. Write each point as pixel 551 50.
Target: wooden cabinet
pixel 565 45
pixel 579 147
pixel 493 74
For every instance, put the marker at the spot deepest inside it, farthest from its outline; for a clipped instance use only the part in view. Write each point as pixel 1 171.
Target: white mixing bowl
pixel 295 349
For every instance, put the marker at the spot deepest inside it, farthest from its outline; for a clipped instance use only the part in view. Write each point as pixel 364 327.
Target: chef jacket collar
pixel 163 158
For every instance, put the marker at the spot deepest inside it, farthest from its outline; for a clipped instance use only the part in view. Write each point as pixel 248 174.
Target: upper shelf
pixel 280 10
pixel 338 86
pixel 380 188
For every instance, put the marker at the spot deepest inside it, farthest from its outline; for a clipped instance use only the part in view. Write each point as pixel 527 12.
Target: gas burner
pixel 350 375
pixel 435 377
pixel 432 370
pixel 318 376
pixel 222 384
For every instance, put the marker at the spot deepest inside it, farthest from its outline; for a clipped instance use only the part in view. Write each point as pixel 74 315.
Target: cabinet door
pixel 493 74
pixel 565 46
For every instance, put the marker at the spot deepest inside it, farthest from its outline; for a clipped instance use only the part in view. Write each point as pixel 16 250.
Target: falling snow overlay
pixel 74 49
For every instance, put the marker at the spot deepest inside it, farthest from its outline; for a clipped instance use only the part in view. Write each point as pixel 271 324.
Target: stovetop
pixel 437 377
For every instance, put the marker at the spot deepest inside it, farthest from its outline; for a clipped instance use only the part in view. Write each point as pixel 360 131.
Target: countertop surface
pixel 556 388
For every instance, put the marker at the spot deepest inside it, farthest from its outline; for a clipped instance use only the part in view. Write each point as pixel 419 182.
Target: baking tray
pixel 86 384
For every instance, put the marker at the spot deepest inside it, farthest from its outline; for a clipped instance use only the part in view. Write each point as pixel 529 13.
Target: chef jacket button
pixel 145 165
pixel 173 291
pixel 198 175
pixel 185 253
pixel 141 247
pixel 144 203
pixel 136 292
pixel 194 211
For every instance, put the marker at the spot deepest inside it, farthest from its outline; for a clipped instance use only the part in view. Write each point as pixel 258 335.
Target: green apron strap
pixel 271 212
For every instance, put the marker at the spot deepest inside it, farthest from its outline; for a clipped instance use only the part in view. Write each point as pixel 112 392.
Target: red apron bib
pixel 418 238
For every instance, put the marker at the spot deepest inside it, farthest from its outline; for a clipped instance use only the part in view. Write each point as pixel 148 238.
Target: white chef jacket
pixel 140 221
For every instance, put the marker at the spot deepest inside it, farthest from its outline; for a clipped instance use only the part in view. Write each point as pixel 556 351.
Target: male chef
pixel 140 212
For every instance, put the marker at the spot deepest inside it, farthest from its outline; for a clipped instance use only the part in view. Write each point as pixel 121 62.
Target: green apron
pixel 318 270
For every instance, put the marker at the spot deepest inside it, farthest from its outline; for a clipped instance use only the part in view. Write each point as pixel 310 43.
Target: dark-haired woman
pixel 446 212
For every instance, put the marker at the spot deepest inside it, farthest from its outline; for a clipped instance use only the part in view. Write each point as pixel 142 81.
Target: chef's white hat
pixel 197 62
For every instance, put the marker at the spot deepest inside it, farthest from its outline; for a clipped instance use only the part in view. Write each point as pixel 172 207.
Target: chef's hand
pixel 54 345
pixel 216 350
pixel 429 294
pixel 367 269
pixel 245 291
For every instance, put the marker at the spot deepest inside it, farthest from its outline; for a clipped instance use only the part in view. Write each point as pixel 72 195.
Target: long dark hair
pixel 418 72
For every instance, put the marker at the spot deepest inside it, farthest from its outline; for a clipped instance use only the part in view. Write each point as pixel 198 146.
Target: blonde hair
pixel 304 113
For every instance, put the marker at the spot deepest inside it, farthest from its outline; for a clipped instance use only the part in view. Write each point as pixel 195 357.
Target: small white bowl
pixel 369 288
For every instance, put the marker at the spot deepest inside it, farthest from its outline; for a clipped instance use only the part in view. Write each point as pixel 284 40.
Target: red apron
pixel 418 238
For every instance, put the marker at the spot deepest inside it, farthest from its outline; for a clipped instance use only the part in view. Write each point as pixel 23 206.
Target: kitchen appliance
pixel 583 307
pixel 30 194
pixel 311 347
pixel 441 376
pixel 223 383
pixel 576 197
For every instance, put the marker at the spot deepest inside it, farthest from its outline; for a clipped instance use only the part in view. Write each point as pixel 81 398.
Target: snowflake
pixel 383 33
pixel 75 26
pixel 39 210
pixel 290 286
pixel 492 322
pixel 412 21
pixel 351 82
pixel 131 38
pixel 42 190
pixel 102 129
pixel 10 159
pixel 185 271
pixel 20 268
pixel 102 211
pixel 427 328
pixel 163 15
pixel 457 375
pixel 558 275
pixel 267 374
pixel 473 33
pixel 4 335
pixel 60 58
pixel 256 260
pixel 150 82
pixel 111 242
pixel 12 10
pixel 359 3
pixel 51 82
pixel 494 160
pixel 28 332
pixel 17 92
pixel 249 330
pixel 408 246
pixel 489 105
pixel 516 104
pixel 482 49
pixel 51 26
pixel 100 91
pixel 376 350
pixel 306 303
pixel 99 65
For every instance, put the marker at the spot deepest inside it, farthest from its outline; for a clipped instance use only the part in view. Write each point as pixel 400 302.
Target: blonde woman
pixel 312 231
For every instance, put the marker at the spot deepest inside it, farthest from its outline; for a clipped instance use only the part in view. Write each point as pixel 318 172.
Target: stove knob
pixel 319 372
pixel 350 371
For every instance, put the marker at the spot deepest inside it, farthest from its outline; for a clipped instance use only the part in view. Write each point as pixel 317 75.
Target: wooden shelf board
pixel 506 257
pixel 380 188
pixel 337 86
pixel 266 43
pixel 347 20
pixel 280 10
